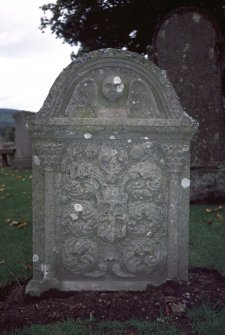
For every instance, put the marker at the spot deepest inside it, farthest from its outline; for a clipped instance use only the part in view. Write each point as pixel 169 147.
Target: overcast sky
pixel 29 60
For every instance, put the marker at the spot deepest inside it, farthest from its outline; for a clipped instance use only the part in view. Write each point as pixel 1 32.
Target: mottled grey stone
pixel 187 46
pixel 110 178
pixel 23 156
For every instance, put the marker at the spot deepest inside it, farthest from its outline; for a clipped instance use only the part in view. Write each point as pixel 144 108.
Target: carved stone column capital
pixel 48 155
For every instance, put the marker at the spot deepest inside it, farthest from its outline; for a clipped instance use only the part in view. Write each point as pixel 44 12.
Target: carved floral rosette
pixel 114 208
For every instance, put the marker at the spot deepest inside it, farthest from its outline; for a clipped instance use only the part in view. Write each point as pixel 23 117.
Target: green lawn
pixel 87 327
pixel 15 225
pixel 207 237
pixel 207 241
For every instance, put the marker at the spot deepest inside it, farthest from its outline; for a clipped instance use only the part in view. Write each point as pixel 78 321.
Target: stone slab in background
pixel 110 178
pixel 187 46
pixel 23 156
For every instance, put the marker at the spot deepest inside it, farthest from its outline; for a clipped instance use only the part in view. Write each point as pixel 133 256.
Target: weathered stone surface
pixel 187 45
pixel 110 177
pixel 22 159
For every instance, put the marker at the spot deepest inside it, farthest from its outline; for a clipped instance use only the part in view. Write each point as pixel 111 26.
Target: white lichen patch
pixel 115 192
pixel 112 137
pixel 187 46
pixel 196 17
pixel 87 135
pixel 116 80
pixel 148 145
pixel 120 88
pixel 36 160
pixel 78 207
pixel 74 216
pixel 164 73
pixel 211 53
pixel 114 152
pixel 45 270
pixel 185 182
pixel 35 258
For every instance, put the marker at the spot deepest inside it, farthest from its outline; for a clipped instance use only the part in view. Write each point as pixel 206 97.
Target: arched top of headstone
pixel 187 23
pixel 108 86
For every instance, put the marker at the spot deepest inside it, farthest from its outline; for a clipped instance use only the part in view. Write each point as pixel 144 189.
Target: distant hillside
pixel 6 119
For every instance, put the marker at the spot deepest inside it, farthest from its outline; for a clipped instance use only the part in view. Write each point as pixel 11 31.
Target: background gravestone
pixel 23 156
pixel 187 47
pixel 110 178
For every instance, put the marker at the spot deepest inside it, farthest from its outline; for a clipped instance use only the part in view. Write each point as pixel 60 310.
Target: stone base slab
pixel 207 184
pixel 36 287
pixel 24 163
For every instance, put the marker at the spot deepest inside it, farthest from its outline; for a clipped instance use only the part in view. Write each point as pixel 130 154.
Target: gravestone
pixel 23 156
pixel 110 178
pixel 187 46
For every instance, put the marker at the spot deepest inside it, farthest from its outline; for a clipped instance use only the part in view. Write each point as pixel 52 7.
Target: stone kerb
pixel 110 178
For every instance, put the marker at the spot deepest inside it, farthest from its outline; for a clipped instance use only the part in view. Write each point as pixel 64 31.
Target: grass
pixel 15 225
pixel 207 240
pixel 87 327
pixel 207 320
pixel 207 237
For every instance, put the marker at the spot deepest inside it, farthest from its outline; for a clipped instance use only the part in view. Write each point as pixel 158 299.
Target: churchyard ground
pixel 173 315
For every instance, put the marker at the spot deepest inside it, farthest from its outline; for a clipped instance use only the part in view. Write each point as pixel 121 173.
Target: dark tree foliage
pixel 117 23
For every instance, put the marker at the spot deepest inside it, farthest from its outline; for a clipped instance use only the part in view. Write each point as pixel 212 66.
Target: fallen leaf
pixel 218 208
pixel 79 305
pixel 179 307
pixel 22 224
pixel 14 223
pixel 170 298
pixel 8 220
pixel 210 222
pixel 219 216
pixel 28 266
pixel 209 210
pixel 167 311
pixel 2 261
pixel 91 315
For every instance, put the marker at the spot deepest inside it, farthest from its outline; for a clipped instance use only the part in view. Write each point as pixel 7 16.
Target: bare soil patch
pixel 169 300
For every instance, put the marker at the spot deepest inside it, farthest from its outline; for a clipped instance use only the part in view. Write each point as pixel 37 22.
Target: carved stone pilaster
pixel 175 157
pixel 48 157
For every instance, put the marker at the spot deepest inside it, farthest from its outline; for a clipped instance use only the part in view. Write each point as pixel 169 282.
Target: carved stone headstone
pixel 187 45
pixel 110 178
